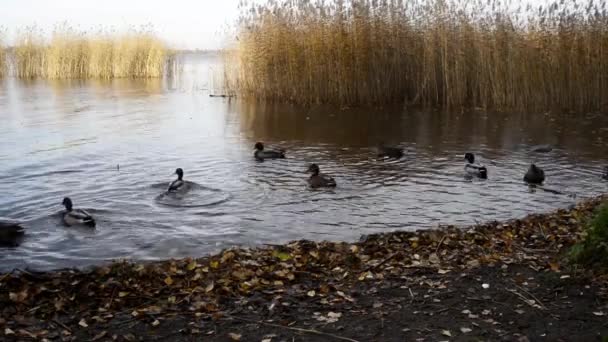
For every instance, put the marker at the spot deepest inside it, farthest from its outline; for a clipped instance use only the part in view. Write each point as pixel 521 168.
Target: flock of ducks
pixel 12 231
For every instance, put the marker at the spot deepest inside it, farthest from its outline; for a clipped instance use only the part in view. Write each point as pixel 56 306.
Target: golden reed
pixel 489 54
pixel 74 54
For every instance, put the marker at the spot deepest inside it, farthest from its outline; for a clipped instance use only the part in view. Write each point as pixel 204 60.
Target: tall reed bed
pixel 74 54
pixel 3 59
pixel 444 53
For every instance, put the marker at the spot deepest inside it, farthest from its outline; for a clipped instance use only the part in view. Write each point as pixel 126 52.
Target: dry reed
pixel 74 54
pixel 442 53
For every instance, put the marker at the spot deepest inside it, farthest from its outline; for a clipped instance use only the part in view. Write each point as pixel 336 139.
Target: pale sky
pixel 183 23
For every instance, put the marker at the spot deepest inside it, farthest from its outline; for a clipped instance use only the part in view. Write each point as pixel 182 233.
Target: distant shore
pixel 496 281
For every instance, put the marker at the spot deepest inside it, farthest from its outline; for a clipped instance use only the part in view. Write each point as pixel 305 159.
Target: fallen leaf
pixel 83 323
pixel 267 340
pixel 209 287
pixel 446 333
pixel 599 313
pixel 214 264
pixel 99 336
pixel 283 256
pixel 465 330
pixel 155 323
pixel 311 293
pixel 122 294
pixel 235 337
pixel 443 271
pixel 8 331
pixel 191 266
pixel 168 281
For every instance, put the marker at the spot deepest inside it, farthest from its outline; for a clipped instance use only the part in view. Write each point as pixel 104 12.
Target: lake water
pixel 113 146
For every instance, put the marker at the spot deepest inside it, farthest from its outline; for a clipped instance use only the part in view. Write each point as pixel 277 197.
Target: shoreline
pixel 483 281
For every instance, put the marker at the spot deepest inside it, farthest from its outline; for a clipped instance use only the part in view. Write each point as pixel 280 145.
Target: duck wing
pixel 78 216
pixel 175 185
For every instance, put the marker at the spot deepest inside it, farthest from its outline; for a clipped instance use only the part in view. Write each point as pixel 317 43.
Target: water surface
pixel 113 146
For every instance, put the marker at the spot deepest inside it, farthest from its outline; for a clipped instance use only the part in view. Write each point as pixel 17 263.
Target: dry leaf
pixel 465 330
pixel 99 336
pixel 83 323
pixel 235 337
pixel 122 294
pixel 446 333
pixel 191 265
pixel 209 287
pixel 599 313
pixel 311 293
pixel 169 281
pixel 155 323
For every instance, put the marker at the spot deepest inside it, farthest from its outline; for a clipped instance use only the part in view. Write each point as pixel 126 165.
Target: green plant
pixel 593 249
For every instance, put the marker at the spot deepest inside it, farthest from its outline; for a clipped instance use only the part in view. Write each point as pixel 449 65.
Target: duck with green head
pixel 179 182
pixel 473 169
pixel 261 154
pixel 319 180
pixel 389 151
pixel 76 217
pixel 534 175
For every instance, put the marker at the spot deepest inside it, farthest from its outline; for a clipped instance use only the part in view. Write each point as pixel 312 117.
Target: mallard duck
pixel 535 175
pixel 318 180
pixel 76 217
pixel 179 182
pixel 10 232
pixel 542 148
pixel 261 154
pixel 389 152
pixel 474 169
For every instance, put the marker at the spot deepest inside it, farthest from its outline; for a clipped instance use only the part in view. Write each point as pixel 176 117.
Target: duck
pixel 76 217
pixel 179 182
pixel 10 232
pixel 474 169
pixel 319 180
pixel 535 175
pixel 542 148
pixel 261 154
pixel 389 152
pixel 605 175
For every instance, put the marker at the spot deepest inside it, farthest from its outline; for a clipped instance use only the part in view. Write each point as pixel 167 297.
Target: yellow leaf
pixel 168 281
pixel 214 264
pixel 191 266
pixel 171 300
pixel 283 256
pixel 122 294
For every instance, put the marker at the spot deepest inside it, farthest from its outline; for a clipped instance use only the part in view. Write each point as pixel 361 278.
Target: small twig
pixel 527 301
pixel 531 295
pixel 310 331
pixel 62 325
pixel 383 261
pixel 440 242
pixel 411 294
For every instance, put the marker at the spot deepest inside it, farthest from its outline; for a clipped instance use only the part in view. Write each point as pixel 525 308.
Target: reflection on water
pixel 112 146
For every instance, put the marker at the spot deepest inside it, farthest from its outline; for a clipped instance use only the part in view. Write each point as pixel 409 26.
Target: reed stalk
pixel 442 53
pixel 70 54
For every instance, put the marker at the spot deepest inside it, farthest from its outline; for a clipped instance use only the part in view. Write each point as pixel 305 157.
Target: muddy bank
pixel 497 281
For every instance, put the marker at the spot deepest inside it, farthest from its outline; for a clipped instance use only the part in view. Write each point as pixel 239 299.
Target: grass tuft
pixel 593 250
pixel 496 54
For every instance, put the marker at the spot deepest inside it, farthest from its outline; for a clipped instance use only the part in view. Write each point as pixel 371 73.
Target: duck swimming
pixel 535 175
pixel 179 182
pixel 76 217
pixel 389 152
pixel 10 232
pixel 318 180
pixel 474 169
pixel 261 154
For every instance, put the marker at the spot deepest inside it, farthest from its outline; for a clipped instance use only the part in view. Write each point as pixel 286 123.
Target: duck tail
pixel 282 154
pixel 483 172
pixel 89 222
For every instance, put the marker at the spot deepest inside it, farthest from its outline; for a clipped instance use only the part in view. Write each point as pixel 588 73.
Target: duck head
pixel 469 157
pixel 67 203
pixel 259 146
pixel 314 169
pixel 180 173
